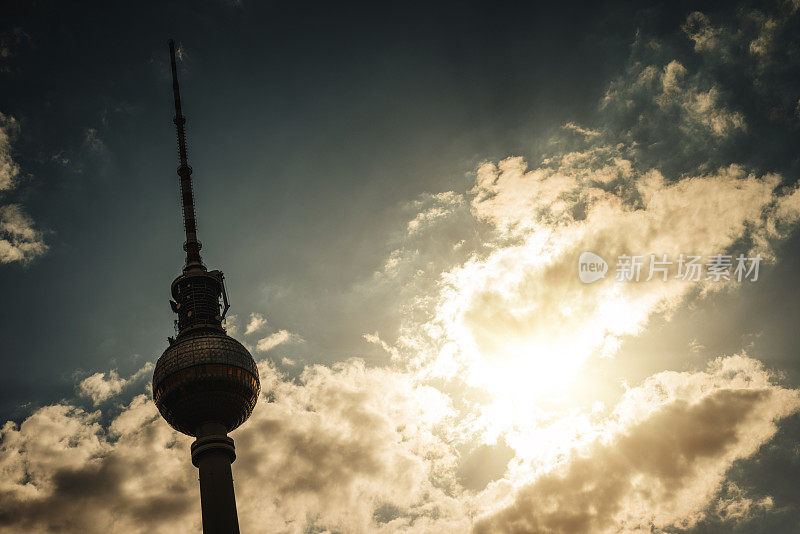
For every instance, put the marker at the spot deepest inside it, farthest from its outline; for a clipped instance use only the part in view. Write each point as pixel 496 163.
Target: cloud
pixel 344 448
pixel 230 324
pixel 653 175
pixel 275 339
pixel 735 505
pixel 670 91
pixel 9 129
pixel 352 449
pixel 19 240
pixel 511 329
pixel 102 386
pixel 376 340
pixel 435 207
pixel 257 322
pixel 586 132
pixel 681 434
pixel 344 444
pixel 63 471
pixel 755 50
pixel 704 36
pixel 503 314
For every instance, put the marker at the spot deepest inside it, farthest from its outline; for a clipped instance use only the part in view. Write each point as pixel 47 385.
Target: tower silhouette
pixel 206 383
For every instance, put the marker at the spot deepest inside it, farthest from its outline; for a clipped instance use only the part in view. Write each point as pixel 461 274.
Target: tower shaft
pixel 217 500
pixel 213 453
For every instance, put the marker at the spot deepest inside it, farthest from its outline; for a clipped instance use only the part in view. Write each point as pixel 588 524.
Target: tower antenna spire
pixel 192 246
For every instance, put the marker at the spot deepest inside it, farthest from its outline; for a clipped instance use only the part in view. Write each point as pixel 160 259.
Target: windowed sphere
pixel 205 377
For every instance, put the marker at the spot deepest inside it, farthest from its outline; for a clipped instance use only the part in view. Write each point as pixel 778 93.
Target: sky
pixel 399 195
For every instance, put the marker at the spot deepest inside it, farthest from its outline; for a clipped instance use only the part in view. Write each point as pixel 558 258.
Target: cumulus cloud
pixel 257 322
pixel 19 240
pixel 277 338
pixel 670 91
pixel 681 432
pixel 354 446
pixel 502 316
pixel 230 323
pixel 514 307
pixel 63 471
pixel 435 207
pixel 345 448
pixel 654 177
pixel 9 128
pixel 375 339
pixel 102 386
pixel 352 449
pixel 704 36
pixel 734 505
pixel 757 48
pixel 651 177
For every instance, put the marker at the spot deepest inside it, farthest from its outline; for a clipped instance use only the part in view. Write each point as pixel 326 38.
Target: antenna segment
pixel 192 246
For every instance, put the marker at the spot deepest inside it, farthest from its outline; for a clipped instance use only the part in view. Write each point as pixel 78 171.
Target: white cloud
pixel 9 170
pixel 699 29
pixel 102 386
pixel 375 339
pixel 230 323
pixel 352 449
pixel 735 505
pixel 499 317
pixel 257 322
pixel 275 339
pixel 19 240
pixel 435 207
pixel 63 471
pixel 680 432
pixel 670 94
pixel 332 449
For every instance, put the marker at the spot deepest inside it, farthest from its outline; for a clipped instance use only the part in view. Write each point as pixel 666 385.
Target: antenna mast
pixel 192 245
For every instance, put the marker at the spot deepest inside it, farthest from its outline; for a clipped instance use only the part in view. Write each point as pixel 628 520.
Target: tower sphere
pixel 205 377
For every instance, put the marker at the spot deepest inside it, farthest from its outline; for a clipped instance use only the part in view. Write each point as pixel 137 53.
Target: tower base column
pixel 212 453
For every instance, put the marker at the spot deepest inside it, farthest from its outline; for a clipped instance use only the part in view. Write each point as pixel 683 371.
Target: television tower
pixel 206 383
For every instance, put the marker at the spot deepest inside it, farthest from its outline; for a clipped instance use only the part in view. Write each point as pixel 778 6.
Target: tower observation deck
pixel 206 383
